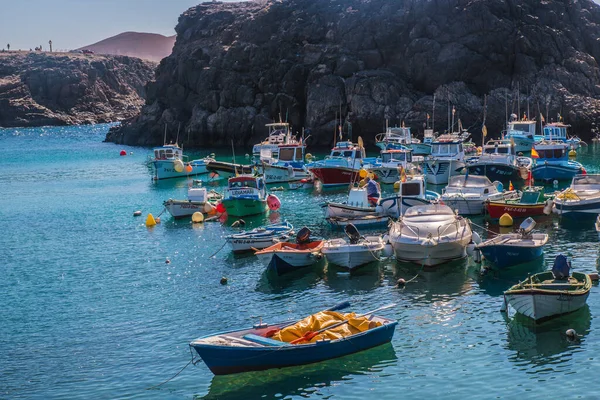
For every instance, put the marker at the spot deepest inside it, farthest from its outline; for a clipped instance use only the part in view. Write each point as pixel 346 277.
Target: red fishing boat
pixel 342 166
pixel 533 202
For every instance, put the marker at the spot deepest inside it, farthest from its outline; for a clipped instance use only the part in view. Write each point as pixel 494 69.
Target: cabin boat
pixel 446 159
pixel 509 249
pixel 532 202
pixel 357 205
pixel 280 134
pixel 581 199
pixel 467 194
pixel 521 133
pixel 284 257
pixel 424 148
pixel 395 138
pixel 169 162
pixel 551 161
pixel 354 251
pixel 287 167
pixel 199 200
pixel 392 162
pixel 224 169
pixel 260 238
pixel 411 192
pixel 245 195
pixel 499 162
pixel 551 293
pixel 258 348
pixel 342 166
pixel 557 131
pixel 430 235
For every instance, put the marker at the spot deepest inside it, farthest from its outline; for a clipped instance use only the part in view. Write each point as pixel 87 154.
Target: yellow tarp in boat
pixel 322 320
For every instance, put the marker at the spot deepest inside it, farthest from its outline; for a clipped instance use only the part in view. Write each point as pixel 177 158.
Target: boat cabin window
pixel 169 153
pixel 347 153
pixel 400 156
pixel 555 132
pixel 496 150
pixel 411 189
pixel 553 153
pixel 250 183
pixel 522 127
pixel 298 153
pixel 286 154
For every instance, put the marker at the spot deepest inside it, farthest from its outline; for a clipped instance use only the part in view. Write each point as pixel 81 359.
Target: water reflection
pixel 365 278
pixel 495 281
pixel 545 343
pixel 300 280
pixel 305 381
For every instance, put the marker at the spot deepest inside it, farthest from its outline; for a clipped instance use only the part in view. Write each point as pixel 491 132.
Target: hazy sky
pixel 75 23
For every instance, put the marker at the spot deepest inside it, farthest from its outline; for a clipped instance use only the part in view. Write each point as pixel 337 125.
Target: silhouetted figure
pixel 50 43
pixel 8 46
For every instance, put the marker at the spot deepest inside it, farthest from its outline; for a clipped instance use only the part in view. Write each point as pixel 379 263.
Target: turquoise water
pixel 90 308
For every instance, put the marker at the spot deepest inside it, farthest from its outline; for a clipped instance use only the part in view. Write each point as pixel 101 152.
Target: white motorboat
pixel 356 206
pixel 392 163
pixel 354 251
pixel 169 162
pixel 260 238
pixel 199 199
pixel 286 166
pixel 446 159
pixel 468 193
pixel 521 133
pixel 430 235
pixel 411 192
pixel 581 199
pixel 549 293
pixel 395 138
pixel 279 134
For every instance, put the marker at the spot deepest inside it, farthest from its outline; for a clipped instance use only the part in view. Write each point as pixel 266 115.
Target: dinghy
pixel 430 235
pixel 319 337
pixel 369 221
pixel 514 248
pixel 260 238
pixel 531 203
pixel 550 293
pixel 285 257
pixel 581 199
pixel 354 251
pixel 358 205
pixel 199 199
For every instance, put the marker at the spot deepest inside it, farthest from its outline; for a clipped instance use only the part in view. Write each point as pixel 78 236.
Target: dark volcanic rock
pixel 63 88
pixel 235 66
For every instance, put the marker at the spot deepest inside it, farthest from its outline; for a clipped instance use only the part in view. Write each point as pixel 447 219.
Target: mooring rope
pixel 221 248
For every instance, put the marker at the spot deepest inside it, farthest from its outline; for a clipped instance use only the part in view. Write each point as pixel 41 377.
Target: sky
pixel 71 24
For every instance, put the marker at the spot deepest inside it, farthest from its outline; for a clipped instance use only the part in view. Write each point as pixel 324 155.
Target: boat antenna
pixel 528 115
pixel 433 114
pixel 335 130
pixel 448 97
pixel 518 100
pixel 177 137
pixel 165 139
pixel 506 106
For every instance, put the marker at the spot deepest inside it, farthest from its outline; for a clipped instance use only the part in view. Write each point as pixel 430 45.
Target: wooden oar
pixel 310 334
pixel 339 306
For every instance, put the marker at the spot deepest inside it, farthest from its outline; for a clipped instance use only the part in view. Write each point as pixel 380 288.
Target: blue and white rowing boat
pixel 514 248
pixel 260 238
pixel 551 161
pixel 580 199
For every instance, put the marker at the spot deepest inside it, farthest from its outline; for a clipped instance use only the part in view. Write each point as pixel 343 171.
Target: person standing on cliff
pixel 8 46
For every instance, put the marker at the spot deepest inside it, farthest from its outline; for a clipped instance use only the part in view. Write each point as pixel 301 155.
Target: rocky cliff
pixel 147 46
pixel 63 88
pixel 236 66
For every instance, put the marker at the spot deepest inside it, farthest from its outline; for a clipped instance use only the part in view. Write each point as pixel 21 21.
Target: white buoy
pixel 548 207
pixel 555 184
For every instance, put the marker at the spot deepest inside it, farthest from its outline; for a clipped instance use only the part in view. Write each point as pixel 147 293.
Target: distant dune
pixel 148 46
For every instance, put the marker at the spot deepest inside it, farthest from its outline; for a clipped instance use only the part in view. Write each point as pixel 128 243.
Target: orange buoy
pixel 188 168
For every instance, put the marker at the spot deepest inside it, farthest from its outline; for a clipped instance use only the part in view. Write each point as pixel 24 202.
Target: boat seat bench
pixel 264 341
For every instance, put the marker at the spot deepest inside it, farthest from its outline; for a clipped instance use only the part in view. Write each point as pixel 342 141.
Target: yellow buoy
pixel 362 173
pixel 506 220
pixel 572 154
pixel 150 221
pixel 362 183
pixel 397 185
pixel 178 165
pixel 308 157
pixel 197 217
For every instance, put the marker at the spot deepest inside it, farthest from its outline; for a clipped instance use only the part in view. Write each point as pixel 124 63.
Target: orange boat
pixel 286 257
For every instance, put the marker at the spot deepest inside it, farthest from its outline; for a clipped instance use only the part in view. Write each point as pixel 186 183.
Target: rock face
pixel 147 46
pixel 62 88
pixel 236 66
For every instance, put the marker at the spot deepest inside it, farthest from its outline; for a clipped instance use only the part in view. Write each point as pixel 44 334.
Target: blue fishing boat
pixel 557 131
pixel 514 248
pixel 255 348
pixel 499 162
pixel 551 161
pixel 521 133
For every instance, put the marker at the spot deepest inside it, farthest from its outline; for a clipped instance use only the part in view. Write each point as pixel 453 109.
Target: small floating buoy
pixel 400 282
pixel 188 168
pixel 223 281
pixel 572 335
pixel 506 220
pixel 397 185
pixel 220 208
pixel 178 165
pixel 123 153
pixel 137 213
pixel 273 202
pixel 594 276
pixel 167 261
pixel 131 153
pixel 197 217
pixel 555 184
pixel 572 154
pixel 150 221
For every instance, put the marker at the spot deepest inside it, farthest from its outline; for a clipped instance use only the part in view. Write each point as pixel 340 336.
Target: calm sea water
pixel 90 309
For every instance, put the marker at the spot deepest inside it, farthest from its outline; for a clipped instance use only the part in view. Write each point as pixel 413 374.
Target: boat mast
pixel 484 128
pixel 165 139
pixel 433 114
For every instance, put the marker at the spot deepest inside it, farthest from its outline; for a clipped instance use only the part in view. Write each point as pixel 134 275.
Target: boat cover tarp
pixel 323 319
pixel 561 267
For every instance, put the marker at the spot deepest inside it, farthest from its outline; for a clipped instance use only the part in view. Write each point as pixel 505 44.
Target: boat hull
pixel 184 208
pixel 439 172
pixel 281 174
pixel 465 206
pixel 335 176
pixel 351 256
pixel 547 172
pixel 242 207
pixel 421 149
pixel 515 210
pixel 228 170
pixel 222 360
pixel 539 306
pixel 283 263
pixel 165 169
pixel 576 209
pixel 344 210
pixel 430 256
pixel 523 144
pixel 498 172
pixel 505 256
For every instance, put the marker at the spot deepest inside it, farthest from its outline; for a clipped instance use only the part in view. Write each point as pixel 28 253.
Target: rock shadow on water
pixel 444 282
pixel 297 281
pixel 542 343
pixel 367 277
pixel 304 381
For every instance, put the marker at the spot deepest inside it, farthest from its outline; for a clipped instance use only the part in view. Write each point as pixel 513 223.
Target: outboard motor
pixel 303 236
pixel 352 233
pixel 561 267
pixel 526 227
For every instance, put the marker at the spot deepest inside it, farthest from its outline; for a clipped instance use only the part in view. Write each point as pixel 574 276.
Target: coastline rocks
pixel 236 66
pixel 39 89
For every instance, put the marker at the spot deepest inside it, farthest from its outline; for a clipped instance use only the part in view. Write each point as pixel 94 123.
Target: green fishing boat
pixel 245 195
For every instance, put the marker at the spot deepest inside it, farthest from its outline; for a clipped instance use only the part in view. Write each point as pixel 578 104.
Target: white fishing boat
pixel 199 199
pixel 446 159
pixel 581 199
pixel 411 192
pixel 245 195
pixel 549 293
pixel 430 235
pixel 260 238
pixel 395 138
pixel 424 148
pixel 357 205
pixel 354 251
pixel 392 163
pixel 521 133
pixel 468 193
pixel 287 166
pixel 369 221
pixel 279 134
pixel 499 162
pixel 284 257
pixel 169 162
